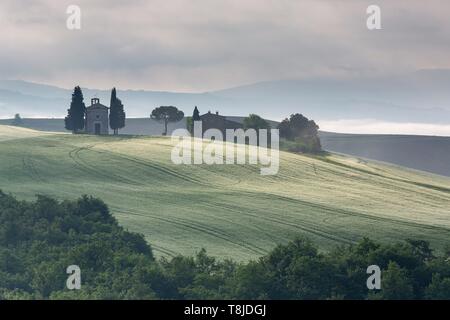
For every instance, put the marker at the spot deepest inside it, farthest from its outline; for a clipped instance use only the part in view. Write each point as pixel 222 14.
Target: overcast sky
pixel 202 45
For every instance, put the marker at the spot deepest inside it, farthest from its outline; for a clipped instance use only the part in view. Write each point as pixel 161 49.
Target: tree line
pixel 297 133
pixel 40 239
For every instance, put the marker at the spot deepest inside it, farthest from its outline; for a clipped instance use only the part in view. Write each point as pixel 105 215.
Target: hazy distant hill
pixel 422 96
pixel 426 153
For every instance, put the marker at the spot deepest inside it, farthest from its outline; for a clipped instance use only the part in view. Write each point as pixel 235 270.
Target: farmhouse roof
pixel 229 123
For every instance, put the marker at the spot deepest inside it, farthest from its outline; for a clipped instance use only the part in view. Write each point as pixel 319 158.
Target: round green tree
pixel 166 114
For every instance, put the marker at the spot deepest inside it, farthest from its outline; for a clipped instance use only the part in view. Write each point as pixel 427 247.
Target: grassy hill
pixel 231 210
pixel 426 153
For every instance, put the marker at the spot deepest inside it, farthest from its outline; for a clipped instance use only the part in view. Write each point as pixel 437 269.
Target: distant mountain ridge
pixel 422 96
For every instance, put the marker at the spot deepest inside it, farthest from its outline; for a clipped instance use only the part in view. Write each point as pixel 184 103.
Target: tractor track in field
pixel 164 170
pixel 214 232
pixel 234 180
pixel 355 214
pixel 385 181
pixel 164 250
pixel 156 167
pixel 260 230
pixel 376 174
pixel 113 155
pixel 305 227
pixel 92 170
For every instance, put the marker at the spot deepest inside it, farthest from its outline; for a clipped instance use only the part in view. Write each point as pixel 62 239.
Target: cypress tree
pixel 196 114
pixel 116 113
pixel 190 120
pixel 75 114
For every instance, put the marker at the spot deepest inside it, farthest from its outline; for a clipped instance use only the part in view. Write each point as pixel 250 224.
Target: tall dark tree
pixel 196 115
pixel 116 113
pixel 190 120
pixel 166 114
pixel 75 117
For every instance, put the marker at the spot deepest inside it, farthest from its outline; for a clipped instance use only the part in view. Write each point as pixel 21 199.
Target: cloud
pixel 200 45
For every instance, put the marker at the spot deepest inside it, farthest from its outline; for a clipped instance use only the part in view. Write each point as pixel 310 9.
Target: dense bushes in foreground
pixel 38 240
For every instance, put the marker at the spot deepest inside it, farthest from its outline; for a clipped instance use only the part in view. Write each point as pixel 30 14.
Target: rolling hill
pixel 231 210
pixel 425 153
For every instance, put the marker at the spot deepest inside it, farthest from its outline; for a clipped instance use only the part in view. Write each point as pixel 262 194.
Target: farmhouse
pixel 97 118
pixel 216 121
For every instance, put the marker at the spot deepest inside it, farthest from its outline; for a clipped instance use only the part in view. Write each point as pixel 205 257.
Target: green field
pixel 231 210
